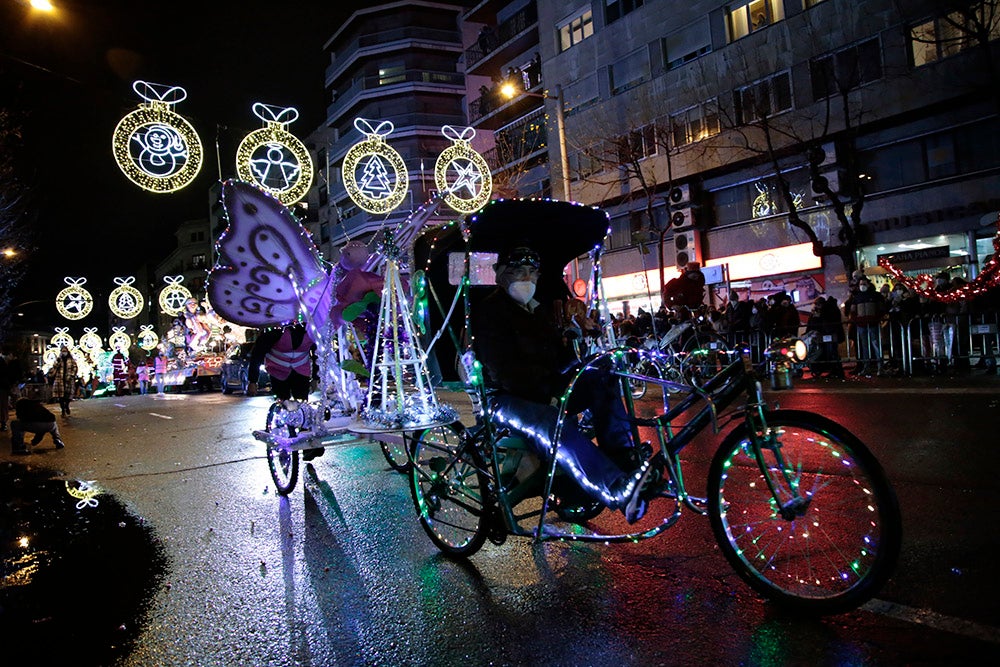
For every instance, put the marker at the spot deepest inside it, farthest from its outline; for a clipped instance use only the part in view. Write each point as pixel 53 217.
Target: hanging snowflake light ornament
pixel 125 301
pixel 61 338
pixel 374 173
pixel 74 302
pixel 148 340
pixel 90 342
pixel 273 158
pixel 174 295
pixel 155 148
pixel 462 173
pixel 119 340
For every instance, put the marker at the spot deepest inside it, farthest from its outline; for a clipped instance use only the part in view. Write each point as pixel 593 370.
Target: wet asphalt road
pixel 340 573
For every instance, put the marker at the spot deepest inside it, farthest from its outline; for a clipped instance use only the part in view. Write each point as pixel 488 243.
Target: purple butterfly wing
pixel 263 254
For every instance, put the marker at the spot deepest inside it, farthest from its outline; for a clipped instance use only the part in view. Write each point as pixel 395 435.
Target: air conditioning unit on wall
pixel 687 247
pixel 679 195
pixel 682 217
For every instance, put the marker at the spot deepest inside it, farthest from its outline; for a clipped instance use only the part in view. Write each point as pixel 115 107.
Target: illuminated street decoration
pixel 174 295
pixel 74 302
pixel 49 357
pixel 85 492
pixel 763 205
pixel 155 148
pixel 462 173
pixel 125 301
pixel 90 341
pixel 61 338
pixel 273 158
pixel 119 340
pixel 148 340
pixel 374 173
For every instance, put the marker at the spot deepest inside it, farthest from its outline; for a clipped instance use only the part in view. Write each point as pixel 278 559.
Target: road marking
pixel 160 416
pixel 894 390
pixel 934 620
pixel 119 405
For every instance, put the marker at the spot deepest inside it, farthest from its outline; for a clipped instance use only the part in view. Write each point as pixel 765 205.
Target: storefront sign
pixel 917 255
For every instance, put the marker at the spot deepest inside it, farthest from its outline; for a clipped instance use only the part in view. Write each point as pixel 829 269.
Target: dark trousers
pixel 294 386
pixel 19 428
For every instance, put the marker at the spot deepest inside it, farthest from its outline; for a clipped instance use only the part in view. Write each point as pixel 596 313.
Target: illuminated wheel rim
pixel 259 146
pixel 154 171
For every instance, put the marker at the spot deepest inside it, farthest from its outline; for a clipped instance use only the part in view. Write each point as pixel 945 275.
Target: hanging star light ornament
pixel 923 284
pixel 148 340
pixel 61 338
pixel 74 302
pixel 125 301
pixel 174 295
pixel 155 148
pixel 273 158
pixel 374 173
pixel 462 173
pixel 90 341
pixel 119 340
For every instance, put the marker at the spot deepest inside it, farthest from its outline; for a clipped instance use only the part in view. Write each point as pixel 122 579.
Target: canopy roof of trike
pixel 559 231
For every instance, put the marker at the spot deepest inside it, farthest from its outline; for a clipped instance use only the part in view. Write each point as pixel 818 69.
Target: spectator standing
pixel 866 311
pixel 738 314
pixel 142 373
pixel 64 379
pixel 32 417
pixel 10 373
pixel 119 370
pixel 160 370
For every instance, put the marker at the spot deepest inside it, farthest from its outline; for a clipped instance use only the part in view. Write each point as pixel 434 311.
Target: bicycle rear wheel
pixel 395 455
pixel 283 463
pixel 832 537
pixel 703 355
pixel 449 490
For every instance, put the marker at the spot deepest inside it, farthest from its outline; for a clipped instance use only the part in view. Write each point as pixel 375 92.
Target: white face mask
pixel 521 291
pixel 863 288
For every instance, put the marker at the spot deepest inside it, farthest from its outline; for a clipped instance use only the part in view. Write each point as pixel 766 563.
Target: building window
pixel 198 261
pixel 580 94
pixel 754 16
pixel 630 71
pixel 390 74
pixel 637 144
pixel 197 237
pixel 763 99
pixel 582 165
pixel 576 30
pixel 846 69
pixel 615 9
pixel 694 124
pixel 950 35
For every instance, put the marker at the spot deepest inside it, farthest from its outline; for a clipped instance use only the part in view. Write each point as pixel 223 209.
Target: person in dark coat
pixel 687 289
pixel 32 417
pixel 526 364
pixel 10 374
pixel 64 379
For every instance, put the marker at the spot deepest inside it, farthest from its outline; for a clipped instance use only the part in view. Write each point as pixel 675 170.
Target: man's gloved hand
pixel 252 389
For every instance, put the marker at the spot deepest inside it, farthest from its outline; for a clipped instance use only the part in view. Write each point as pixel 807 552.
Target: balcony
pixel 385 83
pixel 491 110
pixel 519 143
pixel 381 42
pixel 512 37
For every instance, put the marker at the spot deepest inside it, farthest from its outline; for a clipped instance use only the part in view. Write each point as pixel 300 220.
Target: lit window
pixel 694 124
pixel 846 69
pixel 949 35
pixel 764 98
pixel 754 16
pixel 637 144
pixel 576 30
pixel 198 261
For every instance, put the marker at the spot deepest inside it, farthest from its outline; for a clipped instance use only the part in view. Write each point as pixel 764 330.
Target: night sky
pixel 71 75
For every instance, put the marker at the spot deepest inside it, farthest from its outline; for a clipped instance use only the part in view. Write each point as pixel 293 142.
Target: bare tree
pixel 14 234
pixel 517 149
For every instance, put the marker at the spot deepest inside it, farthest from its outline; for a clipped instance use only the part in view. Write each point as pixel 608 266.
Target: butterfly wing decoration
pixel 264 255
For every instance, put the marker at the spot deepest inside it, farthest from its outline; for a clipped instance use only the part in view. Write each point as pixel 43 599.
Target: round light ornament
pixel 156 148
pixel 74 302
pixel 119 340
pixel 125 301
pixel 462 173
pixel 174 295
pixel 61 338
pixel 148 340
pixel 273 158
pixel 374 173
pixel 90 341
pixel 50 356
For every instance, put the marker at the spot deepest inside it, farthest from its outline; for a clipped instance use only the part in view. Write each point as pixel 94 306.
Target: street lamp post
pixel 509 91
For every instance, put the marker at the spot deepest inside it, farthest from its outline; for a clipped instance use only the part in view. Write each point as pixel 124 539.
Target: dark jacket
pixel 30 410
pixel 522 352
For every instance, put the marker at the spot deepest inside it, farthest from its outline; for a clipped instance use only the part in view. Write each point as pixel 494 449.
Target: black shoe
pixel 60 444
pixel 37 439
pixel 310 454
pixel 627 493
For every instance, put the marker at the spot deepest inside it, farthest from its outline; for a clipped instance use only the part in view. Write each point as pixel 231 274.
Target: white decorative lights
pixel 125 301
pixel 155 148
pixel 374 173
pixel 90 342
pixel 462 173
pixel 119 340
pixel 174 295
pixel 61 338
pixel 148 340
pixel 273 158
pixel 74 302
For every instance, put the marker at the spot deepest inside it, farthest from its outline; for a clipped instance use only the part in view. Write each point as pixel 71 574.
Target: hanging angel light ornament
pixel 119 340
pixel 462 173
pixel 155 148
pixel 125 301
pixel 74 302
pixel 273 158
pixel 374 173
pixel 61 338
pixel 90 342
pixel 173 296
pixel 147 338
pixel 400 394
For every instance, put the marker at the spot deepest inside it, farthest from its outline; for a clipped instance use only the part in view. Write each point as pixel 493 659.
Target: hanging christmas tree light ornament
pixel 462 173
pixel 74 302
pixel 174 295
pixel 119 340
pixel 61 338
pixel 155 148
pixel 374 173
pixel 90 341
pixel 273 158
pixel 125 301
pixel 148 340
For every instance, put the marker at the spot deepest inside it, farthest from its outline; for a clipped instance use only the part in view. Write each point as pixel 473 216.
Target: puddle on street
pixel 77 569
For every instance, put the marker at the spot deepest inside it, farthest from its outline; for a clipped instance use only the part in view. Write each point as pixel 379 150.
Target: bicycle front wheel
pixel 704 355
pixel 449 490
pixel 827 537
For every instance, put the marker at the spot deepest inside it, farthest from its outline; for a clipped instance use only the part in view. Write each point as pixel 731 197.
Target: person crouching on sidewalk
pixel 32 417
